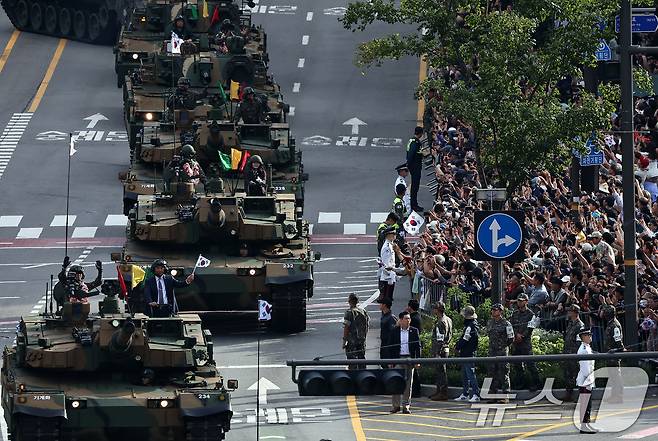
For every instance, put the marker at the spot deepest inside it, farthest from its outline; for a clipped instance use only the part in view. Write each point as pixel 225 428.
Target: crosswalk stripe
pixel 354 228
pixel 60 220
pixel 84 232
pixel 116 220
pixel 29 233
pixel 329 217
pixel 378 218
pixel 10 221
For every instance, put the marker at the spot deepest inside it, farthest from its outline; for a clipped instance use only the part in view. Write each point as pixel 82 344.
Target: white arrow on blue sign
pixel 603 52
pixel 641 23
pixel 499 235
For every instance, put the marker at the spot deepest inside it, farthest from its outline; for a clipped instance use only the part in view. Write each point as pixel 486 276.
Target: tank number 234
pixel 41 397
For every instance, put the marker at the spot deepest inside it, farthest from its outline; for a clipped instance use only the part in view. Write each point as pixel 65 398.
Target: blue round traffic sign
pixel 499 235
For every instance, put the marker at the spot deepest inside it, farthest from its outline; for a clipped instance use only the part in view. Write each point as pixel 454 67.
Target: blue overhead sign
pixel 641 23
pixel 499 235
pixel 603 52
pixel 593 155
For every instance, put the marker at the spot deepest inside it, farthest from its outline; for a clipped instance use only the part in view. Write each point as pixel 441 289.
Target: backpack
pixel 359 326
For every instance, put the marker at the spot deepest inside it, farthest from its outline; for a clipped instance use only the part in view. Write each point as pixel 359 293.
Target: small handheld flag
pixel 137 274
pixel 175 43
pixel 205 12
pixel 264 311
pixel 122 284
pixel 202 262
pixel 413 223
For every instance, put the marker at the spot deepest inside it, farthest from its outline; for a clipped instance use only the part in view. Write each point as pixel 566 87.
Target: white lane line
pixel 295 87
pixel 377 218
pixel 370 285
pixel 9 297
pixel 254 366
pixel 29 233
pixel 310 229
pixel 60 220
pixel 325 217
pixel 12 281
pixel 309 16
pixel 301 62
pixel 263 9
pixel 325 272
pixel 291 112
pixel 641 434
pixel 305 39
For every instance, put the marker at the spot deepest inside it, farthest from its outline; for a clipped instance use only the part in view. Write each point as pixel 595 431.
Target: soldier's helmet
pixel 187 152
pixel 76 269
pixel 249 91
pixel 159 262
pixel 178 18
pixel 183 82
pixel 256 158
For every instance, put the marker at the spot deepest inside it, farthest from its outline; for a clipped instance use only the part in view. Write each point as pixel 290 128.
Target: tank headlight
pixel 232 384
pixel 173 272
pixel 252 272
pixel 115 323
pixel 135 56
pixel 21 387
pixel 138 358
pixel 148 116
pixel 233 232
pixel 164 403
pixel 75 404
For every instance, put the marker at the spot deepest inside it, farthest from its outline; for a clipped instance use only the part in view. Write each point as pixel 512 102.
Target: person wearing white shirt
pixel 585 382
pixel 403 172
pixel 387 276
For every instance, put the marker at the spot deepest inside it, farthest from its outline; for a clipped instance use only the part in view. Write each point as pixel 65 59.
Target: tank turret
pixel 130 368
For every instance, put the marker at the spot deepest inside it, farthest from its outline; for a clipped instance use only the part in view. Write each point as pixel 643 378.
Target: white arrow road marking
pixel 355 123
pixel 263 385
pixel 94 119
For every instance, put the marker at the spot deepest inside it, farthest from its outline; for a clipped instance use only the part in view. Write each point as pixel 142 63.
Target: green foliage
pixel 511 62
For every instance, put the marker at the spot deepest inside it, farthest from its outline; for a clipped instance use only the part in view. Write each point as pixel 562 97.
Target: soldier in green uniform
pixel 523 321
pixel 613 341
pixel 252 110
pixel 355 330
pixel 572 342
pixel 441 336
pixel 399 207
pixel 501 335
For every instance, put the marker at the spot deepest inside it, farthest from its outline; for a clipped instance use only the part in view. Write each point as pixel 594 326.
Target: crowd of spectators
pixel 571 258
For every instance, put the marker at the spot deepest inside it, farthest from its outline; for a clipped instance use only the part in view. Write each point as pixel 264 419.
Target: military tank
pixel 258 247
pixel 149 25
pixel 73 374
pixel 90 21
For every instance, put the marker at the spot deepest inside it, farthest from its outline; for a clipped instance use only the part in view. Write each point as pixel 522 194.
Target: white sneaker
pixel 462 397
pixel 474 399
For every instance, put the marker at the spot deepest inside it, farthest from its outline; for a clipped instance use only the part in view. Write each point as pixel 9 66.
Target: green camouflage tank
pixel 258 247
pixel 74 374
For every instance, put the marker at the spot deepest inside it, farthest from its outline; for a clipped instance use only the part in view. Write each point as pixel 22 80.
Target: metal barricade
pixel 430 292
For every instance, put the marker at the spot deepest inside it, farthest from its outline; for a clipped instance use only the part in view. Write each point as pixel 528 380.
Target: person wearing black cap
pixel 392 220
pixel 571 345
pixel 387 276
pixel 403 172
pixel 585 382
pixel 415 164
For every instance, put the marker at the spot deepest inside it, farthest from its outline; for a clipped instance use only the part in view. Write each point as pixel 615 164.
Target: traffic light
pixel 341 382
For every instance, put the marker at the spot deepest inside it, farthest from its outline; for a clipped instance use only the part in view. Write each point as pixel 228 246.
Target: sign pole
pixel 628 177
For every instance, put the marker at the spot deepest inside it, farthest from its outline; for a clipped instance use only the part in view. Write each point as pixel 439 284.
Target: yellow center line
pixel 48 76
pixel 356 420
pixel 437 435
pixel 557 426
pixel 422 76
pixel 8 48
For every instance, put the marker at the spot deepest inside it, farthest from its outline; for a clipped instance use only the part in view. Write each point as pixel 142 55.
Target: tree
pixel 509 64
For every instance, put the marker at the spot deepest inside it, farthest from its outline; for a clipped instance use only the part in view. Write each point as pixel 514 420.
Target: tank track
pixel 89 21
pixel 32 428
pixel 210 428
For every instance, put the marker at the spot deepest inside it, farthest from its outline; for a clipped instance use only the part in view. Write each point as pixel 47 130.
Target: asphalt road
pixel 352 128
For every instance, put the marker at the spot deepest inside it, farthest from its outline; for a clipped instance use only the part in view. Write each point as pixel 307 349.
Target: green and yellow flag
pixel 236 156
pixel 235 90
pixel 137 275
pixel 224 161
pixel 205 12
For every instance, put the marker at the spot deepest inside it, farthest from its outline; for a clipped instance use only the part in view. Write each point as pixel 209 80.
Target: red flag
pixel 215 16
pixel 122 284
pixel 243 161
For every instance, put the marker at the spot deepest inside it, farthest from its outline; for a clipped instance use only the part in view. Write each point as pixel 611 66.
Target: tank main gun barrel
pixel 122 339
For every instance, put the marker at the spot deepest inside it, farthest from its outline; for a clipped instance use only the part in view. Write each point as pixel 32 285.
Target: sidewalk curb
pixel 454 392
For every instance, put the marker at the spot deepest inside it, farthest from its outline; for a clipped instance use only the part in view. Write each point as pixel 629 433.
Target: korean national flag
pixel 202 262
pixel 264 311
pixel 413 223
pixel 175 43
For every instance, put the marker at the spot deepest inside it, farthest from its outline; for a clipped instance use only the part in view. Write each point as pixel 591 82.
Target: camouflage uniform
pixel 252 111
pixel 500 334
pixel 441 336
pixel 571 344
pixel 521 323
pixel 613 341
pixel 357 320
